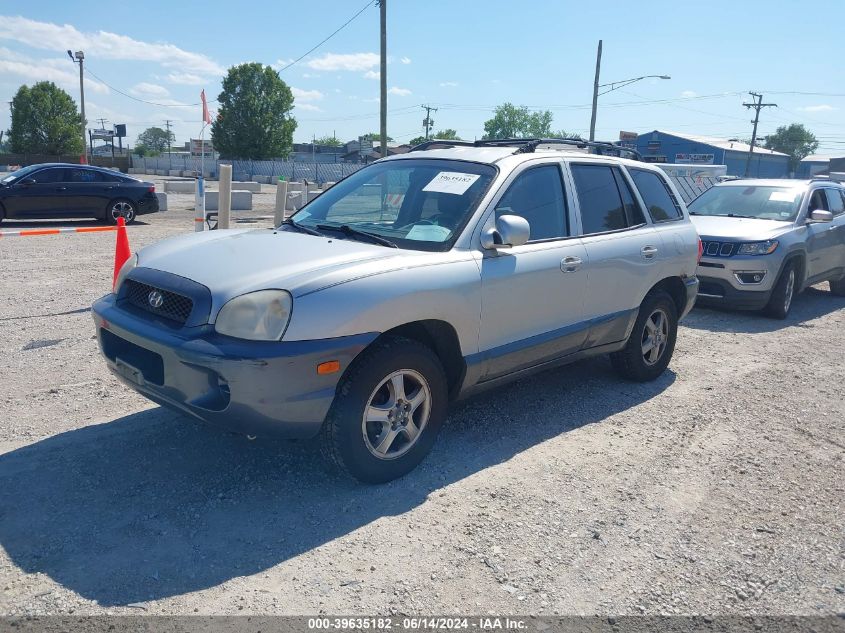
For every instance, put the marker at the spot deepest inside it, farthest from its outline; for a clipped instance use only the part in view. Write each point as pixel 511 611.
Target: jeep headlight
pixel 257 316
pixel 758 248
pixel 127 268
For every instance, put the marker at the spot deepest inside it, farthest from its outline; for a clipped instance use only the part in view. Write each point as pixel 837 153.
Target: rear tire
pixel 652 341
pixel 387 411
pixel 783 293
pixel 838 287
pixel 121 207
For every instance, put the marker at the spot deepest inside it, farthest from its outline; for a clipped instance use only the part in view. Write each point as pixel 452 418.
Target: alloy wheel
pixel 396 414
pixel 789 290
pixel 122 209
pixel 655 336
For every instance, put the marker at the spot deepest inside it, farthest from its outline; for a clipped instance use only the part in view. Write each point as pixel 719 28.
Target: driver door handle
pixel 61 188
pixel 570 264
pixel 648 252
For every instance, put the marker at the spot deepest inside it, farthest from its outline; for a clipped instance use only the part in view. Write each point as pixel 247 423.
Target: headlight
pixel 257 316
pixel 127 267
pixel 758 248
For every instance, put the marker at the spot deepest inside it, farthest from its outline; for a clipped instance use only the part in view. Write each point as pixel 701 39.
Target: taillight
pixel 152 189
pixel 700 249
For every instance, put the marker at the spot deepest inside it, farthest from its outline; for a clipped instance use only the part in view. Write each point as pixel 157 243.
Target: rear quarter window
pixel 658 198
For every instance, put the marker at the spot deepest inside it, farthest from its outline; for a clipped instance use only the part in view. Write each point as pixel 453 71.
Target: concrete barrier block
pixel 295 200
pixel 241 200
pixel 327 185
pixel 240 176
pixel 264 180
pixel 240 185
pixel 161 172
pixel 174 172
pixel 162 201
pixel 180 186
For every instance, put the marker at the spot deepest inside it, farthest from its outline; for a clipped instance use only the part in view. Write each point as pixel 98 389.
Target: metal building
pixel 675 147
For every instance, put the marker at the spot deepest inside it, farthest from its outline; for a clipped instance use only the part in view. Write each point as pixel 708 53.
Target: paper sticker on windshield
pixel 451 182
pixel 429 233
pixel 782 196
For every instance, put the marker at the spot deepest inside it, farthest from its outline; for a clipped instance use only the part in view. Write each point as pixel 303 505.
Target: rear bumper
pixel 260 388
pixel 721 293
pixel 147 204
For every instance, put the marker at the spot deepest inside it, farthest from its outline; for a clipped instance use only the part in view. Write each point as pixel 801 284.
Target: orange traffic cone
pixel 121 249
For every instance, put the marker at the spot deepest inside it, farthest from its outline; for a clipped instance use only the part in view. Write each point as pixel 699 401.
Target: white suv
pixel 417 280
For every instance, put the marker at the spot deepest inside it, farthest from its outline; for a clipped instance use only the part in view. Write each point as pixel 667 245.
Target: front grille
pixel 172 306
pixel 718 249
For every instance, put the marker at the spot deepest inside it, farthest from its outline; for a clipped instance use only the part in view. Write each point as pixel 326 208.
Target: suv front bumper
pixel 260 388
pixel 730 282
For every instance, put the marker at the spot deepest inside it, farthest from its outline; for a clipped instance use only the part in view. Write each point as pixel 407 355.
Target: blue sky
pixel 463 57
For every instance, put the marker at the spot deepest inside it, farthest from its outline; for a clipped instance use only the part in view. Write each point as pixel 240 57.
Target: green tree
pixel 375 136
pixel 795 140
pixel 446 135
pixel 254 119
pixel 331 141
pixel 154 140
pixel 45 121
pixel 510 121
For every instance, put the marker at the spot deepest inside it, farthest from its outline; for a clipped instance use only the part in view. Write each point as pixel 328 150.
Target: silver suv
pixel 418 280
pixel 766 240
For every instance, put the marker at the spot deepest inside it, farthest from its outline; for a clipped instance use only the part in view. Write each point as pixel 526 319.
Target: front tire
pixel 387 411
pixel 118 208
pixel 783 293
pixel 652 341
pixel 838 287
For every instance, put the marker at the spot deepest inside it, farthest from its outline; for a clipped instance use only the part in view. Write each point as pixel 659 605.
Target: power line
pixel 343 26
pixel 161 105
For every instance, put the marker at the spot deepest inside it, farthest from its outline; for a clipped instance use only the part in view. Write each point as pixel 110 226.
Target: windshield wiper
pixel 350 232
pixel 302 227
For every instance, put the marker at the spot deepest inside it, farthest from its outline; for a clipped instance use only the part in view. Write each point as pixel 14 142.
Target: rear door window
pixel 600 199
pixel 661 204
pixel 83 175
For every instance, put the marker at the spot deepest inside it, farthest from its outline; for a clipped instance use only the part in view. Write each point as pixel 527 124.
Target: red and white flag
pixel 206 117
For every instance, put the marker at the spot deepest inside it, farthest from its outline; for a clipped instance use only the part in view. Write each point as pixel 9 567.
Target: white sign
pixel 696 159
pixel 782 196
pixel 429 233
pixel 451 182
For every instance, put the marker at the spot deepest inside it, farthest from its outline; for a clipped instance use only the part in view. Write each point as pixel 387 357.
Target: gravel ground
pixel 717 489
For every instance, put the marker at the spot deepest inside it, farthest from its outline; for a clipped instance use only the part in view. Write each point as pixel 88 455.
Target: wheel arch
pixel 442 338
pixel 799 258
pixel 675 288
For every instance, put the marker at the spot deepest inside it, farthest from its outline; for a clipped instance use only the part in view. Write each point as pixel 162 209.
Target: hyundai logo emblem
pixel 155 299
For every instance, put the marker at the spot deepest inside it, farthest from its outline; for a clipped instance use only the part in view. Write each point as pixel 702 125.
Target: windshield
pixel 20 173
pixel 765 203
pixel 417 204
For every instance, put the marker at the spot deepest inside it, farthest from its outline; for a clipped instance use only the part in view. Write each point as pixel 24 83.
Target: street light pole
pixel 78 58
pixel 595 94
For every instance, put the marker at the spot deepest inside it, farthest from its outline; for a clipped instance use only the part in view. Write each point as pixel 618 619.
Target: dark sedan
pixel 58 190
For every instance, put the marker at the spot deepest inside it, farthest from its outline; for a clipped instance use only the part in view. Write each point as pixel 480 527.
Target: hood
pixel 233 262
pixel 739 229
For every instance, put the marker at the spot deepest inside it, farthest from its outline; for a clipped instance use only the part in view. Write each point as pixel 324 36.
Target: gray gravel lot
pixel 717 489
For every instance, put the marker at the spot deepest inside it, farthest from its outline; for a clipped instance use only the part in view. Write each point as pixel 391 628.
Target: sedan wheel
pixel 655 336
pixel 121 208
pixel 397 414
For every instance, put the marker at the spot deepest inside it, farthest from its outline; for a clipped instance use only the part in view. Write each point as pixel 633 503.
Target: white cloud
pixel 103 45
pixel 399 92
pixel 689 94
pixel 372 74
pixel 823 107
pixel 186 79
pixel 405 60
pixel 281 63
pixel 307 106
pixel 346 61
pixel 306 95
pixel 145 89
pixel 448 84
pixel 35 72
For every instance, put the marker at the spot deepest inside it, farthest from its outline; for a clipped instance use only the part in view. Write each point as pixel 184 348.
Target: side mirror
pixel 820 215
pixel 510 230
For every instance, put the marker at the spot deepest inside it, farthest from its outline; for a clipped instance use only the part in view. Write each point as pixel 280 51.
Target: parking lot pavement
pixel 716 489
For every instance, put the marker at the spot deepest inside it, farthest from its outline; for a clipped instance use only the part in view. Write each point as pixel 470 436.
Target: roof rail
pixel 528 145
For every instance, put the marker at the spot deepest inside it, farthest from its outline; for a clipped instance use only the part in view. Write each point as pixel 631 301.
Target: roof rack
pixel 528 145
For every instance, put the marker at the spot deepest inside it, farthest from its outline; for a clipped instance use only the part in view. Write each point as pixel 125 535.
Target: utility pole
pixel 383 76
pixel 169 155
pixel 595 94
pixel 757 104
pixel 428 123
pixel 79 58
